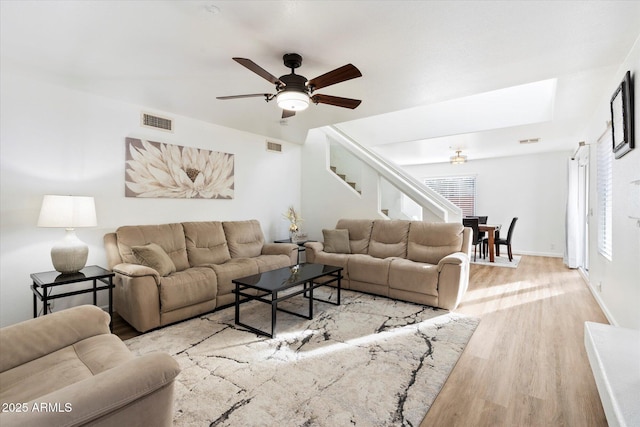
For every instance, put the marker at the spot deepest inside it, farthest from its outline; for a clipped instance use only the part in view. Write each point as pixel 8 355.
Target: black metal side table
pixel 43 284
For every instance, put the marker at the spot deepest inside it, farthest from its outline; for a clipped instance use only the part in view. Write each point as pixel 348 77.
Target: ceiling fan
pixel 294 92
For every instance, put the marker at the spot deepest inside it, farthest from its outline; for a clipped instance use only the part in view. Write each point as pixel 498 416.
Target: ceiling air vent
pixel 529 141
pixel 156 122
pixel 274 147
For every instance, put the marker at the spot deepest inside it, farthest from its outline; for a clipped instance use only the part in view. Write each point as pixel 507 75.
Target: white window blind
pixel 604 188
pixel 459 190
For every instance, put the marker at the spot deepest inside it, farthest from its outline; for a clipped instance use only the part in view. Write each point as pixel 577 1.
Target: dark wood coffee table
pixel 270 287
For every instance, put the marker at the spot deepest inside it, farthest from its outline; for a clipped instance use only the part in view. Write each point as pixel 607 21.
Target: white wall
pixel 325 197
pixel 620 278
pixel 531 187
pixel 59 141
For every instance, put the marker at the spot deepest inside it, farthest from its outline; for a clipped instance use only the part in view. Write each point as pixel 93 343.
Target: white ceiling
pixel 478 76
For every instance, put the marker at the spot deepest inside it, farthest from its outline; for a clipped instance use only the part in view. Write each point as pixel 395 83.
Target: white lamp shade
pixel 67 212
pixel 292 100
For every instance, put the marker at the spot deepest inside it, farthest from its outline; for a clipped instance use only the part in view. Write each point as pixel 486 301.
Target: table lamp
pixel 70 254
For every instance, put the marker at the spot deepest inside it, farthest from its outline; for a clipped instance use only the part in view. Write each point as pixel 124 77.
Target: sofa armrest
pixel 288 249
pixel 34 338
pixel 279 248
pixel 110 392
pixel 315 246
pixel 311 249
pixel 136 270
pixel 453 280
pixel 457 258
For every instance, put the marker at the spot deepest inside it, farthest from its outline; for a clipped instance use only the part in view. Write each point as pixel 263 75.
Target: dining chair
pixel 507 241
pixel 473 224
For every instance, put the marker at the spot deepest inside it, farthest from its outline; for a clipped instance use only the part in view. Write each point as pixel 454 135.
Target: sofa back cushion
pixel 389 238
pixel 206 242
pixel 245 238
pixel 431 241
pixel 169 237
pixel 359 233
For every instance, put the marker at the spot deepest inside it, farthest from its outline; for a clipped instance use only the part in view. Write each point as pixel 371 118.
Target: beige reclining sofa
pixel 171 272
pixel 422 262
pixel 67 369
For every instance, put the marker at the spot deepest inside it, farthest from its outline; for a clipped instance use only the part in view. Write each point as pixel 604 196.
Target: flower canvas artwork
pixel 158 170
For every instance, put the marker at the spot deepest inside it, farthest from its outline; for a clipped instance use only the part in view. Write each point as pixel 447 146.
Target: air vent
pixel 529 141
pixel 274 147
pixel 156 122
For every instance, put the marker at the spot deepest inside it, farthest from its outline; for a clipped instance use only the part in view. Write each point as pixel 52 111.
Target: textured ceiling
pixel 175 57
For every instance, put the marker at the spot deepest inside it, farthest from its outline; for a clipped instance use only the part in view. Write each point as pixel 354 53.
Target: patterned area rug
pixel 500 261
pixel 371 361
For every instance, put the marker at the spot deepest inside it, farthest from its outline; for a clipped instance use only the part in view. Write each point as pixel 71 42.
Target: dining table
pixel 491 230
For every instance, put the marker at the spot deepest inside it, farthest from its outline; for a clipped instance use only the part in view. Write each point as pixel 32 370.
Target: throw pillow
pixel 152 255
pixel 336 241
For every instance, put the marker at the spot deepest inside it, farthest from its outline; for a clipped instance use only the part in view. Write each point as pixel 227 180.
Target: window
pixel 604 188
pixel 459 190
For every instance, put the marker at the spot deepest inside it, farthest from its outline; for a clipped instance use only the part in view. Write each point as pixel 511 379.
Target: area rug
pixel 371 361
pixel 500 261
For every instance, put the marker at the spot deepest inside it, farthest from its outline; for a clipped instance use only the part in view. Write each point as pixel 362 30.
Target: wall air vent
pixel 274 147
pixel 156 122
pixel 529 141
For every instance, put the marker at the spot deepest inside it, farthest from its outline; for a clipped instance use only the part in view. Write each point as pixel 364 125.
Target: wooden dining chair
pixel 476 240
pixel 507 241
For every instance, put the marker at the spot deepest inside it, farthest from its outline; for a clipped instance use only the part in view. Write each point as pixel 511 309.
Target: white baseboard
pixel 596 296
pixel 547 254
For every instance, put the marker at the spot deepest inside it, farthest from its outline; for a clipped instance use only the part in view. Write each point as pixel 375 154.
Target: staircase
pixel 397 194
pixel 344 178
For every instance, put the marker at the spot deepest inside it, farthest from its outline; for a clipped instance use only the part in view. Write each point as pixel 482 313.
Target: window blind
pixel 459 190
pixel 605 201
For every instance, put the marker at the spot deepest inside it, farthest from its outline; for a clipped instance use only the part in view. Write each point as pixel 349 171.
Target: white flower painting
pixel 158 170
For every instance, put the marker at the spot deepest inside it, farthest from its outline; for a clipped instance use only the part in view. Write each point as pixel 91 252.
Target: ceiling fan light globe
pixel 292 101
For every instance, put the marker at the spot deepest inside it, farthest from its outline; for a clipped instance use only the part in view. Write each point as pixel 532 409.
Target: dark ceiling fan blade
pixel 344 73
pixel 258 70
pixel 253 95
pixel 288 113
pixel 336 100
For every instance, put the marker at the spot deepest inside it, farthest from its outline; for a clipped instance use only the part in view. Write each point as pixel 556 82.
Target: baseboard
pixel 596 296
pixel 546 254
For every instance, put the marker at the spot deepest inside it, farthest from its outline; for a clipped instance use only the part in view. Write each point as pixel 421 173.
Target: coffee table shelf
pixel 270 287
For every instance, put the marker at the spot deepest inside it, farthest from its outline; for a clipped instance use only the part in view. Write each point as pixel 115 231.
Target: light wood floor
pixel 525 364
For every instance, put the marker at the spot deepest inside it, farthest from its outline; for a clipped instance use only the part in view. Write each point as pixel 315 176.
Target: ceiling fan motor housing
pixel 292 60
pixel 294 82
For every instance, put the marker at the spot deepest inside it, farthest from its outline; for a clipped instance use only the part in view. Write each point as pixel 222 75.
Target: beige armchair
pixel 66 368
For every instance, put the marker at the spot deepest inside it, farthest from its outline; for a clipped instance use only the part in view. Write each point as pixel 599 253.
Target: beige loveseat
pixel 171 272
pixel 67 369
pixel 422 262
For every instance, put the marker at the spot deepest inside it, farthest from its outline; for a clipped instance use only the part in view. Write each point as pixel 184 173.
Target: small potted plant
pixel 294 223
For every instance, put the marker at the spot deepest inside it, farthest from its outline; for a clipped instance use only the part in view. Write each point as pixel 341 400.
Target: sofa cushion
pixel 336 241
pixel 365 268
pixel 245 238
pixel 413 276
pixel 169 237
pixel 389 239
pixel 430 242
pixel 61 368
pixel 232 269
pixel 359 233
pixel 155 257
pixel 188 287
pixel 206 242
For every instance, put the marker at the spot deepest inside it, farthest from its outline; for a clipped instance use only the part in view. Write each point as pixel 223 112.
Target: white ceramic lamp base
pixel 70 254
